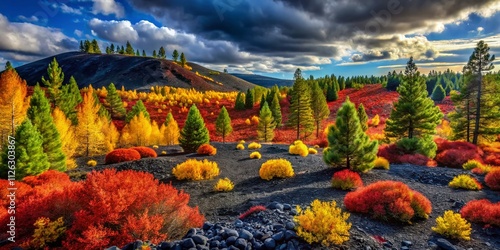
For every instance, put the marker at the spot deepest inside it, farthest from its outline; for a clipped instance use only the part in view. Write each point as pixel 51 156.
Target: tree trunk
pixel 317 129
pixel 13 119
pixel 478 108
pixel 468 117
pixel 410 130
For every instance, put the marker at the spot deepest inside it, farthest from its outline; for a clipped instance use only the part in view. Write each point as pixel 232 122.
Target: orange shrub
pixel 254 209
pixel 248 122
pixel 389 200
pixel 145 152
pixel 206 149
pixel 255 120
pixel 193 169
pixel 121 155
pixel 482 211
pixel 346 179
pixel 492 179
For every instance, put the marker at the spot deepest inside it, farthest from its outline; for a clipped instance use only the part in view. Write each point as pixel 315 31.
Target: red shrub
pixel 390 152
pixel 145 152
pixel 492 179
pixel 482 211
pixel 444 145
pixel 455 158
pixel 253 209
pixel 492 158
pixel 206 149
pixel 346 179
pixel 389 200
pixel 121 155
pixel 415 159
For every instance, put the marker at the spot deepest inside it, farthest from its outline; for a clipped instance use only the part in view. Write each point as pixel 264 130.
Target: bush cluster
pixel 224 185
pixel 346 180
pixel 389 200
pixel 482 211
pixel 255 155
pixel 254 145
pixel 92 163
pixel 482 169
pixel 240 146
pixel 145 152
pixel 492 179
pixel 471 164
pixel 122 155
pixel 206 149
pixel 452 225
pixel 313 151
pixel 279 168
pixel 323 223
pixel 195 170
pixel 381 163
pixel 424 146
pixel 299 148
pixel 455 154
pixel 465 181
pixel 396 155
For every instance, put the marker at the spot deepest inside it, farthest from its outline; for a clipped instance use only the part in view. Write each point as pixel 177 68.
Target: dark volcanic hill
pixel 133 72
pixel 264 81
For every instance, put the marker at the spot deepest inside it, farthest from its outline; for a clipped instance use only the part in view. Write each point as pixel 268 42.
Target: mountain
pixel 264 81
pixel 133 72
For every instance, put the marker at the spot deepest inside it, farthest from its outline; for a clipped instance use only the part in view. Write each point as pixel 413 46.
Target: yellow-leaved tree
pixel 111 134
pixel 137 132
pixel 155 137
pixel 89 129
pixel 170 131
pixel 13 102
pixel 68 138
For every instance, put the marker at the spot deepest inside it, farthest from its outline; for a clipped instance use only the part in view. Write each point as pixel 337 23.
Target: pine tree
pixel 265 129
pixel 175 55
pixel 331 93
pixel 89 129
pixel 122 50
pixel 161 53
pixel 112 49
pixel 13 103
pixel 363 117
pixel 170 131
pixel 87 46
pixel 438 94
pixel 154 54
pixel 348 145
pixel 115 102
pixel 129 50
pixel 479 62
pixel 262 101
pixel 319 106
pixel 40 115
pixel 223 124
pixel 82 48
pixel 8 65
pixel 137 53
pixel 249 99
pixel 276 110
pixel 95 47
pixel 103 111
pixel 68 140
pixel 144 53
pixel 183 60
pixel 70 98
pixel 194 133
pixel 240 102
pixel 107 50
pixel 136 109
pixel 54 81
pixel 30 159
pixel 415 114
pixel 300 116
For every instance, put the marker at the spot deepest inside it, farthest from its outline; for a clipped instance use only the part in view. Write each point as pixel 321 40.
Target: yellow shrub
pixel 92 163
pixel 374 121
pixel 298 148
pixel 279 168
pixel 240 146
pixel 465 181
pixel 155 146
pixel 248 122
pixel 471 164
pixel 254 145
pixel 452 225
pixel 193 169
pixel 382 163
pixel 163 152
pixel 241 142
pixel 47 232
pixel 255 120
pixel 324 223
pixel 255 155
pixel 224 185
pixel 313 151
pixel 316 146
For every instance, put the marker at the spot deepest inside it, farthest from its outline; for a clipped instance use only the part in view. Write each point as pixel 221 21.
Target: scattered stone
pixel 241 244
pixel 287 207
pixel 445 245
pixel 269 243
pixel 188 243
pixel 207 225
pixel 289 225
pixel 275 205
pixel 200 239
pixel 245 234
pixel 231 240
pixel 238 223
pixel 406 243
pixel 278 237
pixel 289 234
pixel 231 232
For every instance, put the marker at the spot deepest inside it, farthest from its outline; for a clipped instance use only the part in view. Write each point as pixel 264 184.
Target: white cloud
pixel 69 10
pixel 461 44
pixel 78 33
pixel 32 19
pixel 480 29
pixel 108 7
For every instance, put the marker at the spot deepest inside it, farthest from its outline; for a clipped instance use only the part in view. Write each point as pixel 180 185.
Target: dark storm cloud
pixel 371 56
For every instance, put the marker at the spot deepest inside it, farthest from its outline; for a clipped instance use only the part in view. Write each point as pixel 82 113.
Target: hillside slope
pixel 264 81
pixel 133 72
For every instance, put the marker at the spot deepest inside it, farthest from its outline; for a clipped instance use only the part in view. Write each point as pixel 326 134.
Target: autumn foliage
pixel 492 179
pixel 279 168
pixel 455 154
pixel 145 152
pixel 346 179
pixel 465 181
pixel 389 200
pixel 195 170
pixel 298 148
pixel 206 149
pixel 122 155
pixel 482 211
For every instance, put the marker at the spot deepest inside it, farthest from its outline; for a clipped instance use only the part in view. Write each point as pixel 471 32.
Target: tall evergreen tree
pixel 175 55
pixel 331 93
pixel 30 159
pixel 8 65
pixel 54 81
pixel 223 124
pixel 40 115
pixel 70 98
pixel 262 101
pixel 183 60
pixel 161 53
pixel 194 133
pixel 82 48
pixel 300 116
pixel 95 47
pixel 319 106
pixel 103 111
pixel 115 102
pixel 144 53
pixel 348 145
pixel 276 110
pixel 87 46
pixel 137 53
pixel 112 49
pixel 129 50
pixel 438 94
pixel 265 129
pixel 414 114
pixel 363 117
pixel 240 102
pixel 136 109
pixel 249 99
pixel 479 62
pixel 154 54
pixel 91 140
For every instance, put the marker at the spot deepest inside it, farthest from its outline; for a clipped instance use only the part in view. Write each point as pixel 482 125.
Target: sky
pixel 267 37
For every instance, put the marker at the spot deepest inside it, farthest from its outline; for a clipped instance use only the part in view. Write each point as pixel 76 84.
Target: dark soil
pixel 312 181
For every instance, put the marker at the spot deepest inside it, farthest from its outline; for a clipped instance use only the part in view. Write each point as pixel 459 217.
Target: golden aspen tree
pixel 13 102
pixel 68 138
pixel 88 132
pixel 155 137
pixel 138 130
pixel 111 134
pixel 170 131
